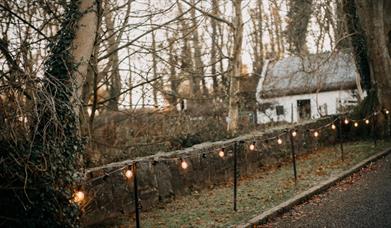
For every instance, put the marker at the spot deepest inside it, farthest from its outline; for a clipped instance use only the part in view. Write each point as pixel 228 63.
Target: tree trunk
pixel 233 111
pixel 269 25
pixel 213 52
pixel 198 64
pixel 259 63
pixel 82 47
pixel 115 78
pixel 143 96
pixel 341 28
pixel 374 16
pixel 277 25
pixel 130 81
pixel 187 64
pixel 298 18
pixel 154 71
pixel 172 60
pixel 358 42
pixel 224 77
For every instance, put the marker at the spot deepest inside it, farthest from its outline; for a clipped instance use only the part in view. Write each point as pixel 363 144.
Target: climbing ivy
pixel 38 170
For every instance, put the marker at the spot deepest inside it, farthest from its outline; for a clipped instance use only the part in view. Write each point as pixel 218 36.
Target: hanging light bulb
pixel 252 146
pixel 355 124
pixel 279 141
pixel 184 164
pixel 129 173
pixel 316 134
pixel 221 153
pixel 346 121
pixel 294 133
pixel 333 126
pixel 366 121
pixel 387 112
pixel 78 196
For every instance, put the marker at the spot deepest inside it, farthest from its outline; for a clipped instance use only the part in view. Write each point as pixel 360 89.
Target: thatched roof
pixel 314 73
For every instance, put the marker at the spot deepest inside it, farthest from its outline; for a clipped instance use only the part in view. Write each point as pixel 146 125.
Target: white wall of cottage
pixel 330 99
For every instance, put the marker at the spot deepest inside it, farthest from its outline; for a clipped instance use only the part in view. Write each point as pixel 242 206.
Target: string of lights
pixel 128 170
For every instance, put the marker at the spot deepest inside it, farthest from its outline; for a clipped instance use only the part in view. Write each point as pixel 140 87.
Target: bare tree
pixel 37 188
pixel 214 46
pixel 82 47
pixel 113 39
pixel 298 18
pixel 187 63
pixel 257 36
pixel 340 27
pixel 233 108
pixel 155 84
pixel 198 63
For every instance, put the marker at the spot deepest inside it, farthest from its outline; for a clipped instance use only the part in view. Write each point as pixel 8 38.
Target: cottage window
pixel 280 110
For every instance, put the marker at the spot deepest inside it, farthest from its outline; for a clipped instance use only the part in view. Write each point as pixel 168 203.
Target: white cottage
pixel 295 89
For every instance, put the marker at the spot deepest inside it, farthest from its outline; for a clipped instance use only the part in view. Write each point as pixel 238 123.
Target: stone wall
pixel 162 179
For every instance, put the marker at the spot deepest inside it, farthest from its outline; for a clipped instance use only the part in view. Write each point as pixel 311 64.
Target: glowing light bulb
pixel 128 174
pixel 366 121
pixel 387 112
pixel 346 121
pixel 279 141
pixel 355 124
pixel 333 126
pixel 294 133
pixel 78 197
pixel 221 153
pixel 316 134
pixel 184 165
pixel 252 146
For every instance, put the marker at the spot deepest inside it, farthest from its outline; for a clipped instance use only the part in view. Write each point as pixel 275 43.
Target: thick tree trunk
pixel 233 111
pixel 358 42
pixel 374 16
pixel 82 47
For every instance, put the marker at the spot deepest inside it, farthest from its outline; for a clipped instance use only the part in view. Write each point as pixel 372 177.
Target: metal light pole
pixel 235 175
pixel 293 153
pixel 341 138
pixel 374 123
pixel 136 199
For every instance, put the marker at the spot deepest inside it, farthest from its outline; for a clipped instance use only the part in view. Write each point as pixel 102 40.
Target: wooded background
pixel 72 70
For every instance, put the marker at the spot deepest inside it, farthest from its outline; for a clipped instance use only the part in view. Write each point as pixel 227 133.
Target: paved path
pixel 362 200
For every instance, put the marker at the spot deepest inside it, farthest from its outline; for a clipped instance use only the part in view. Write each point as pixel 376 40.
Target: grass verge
pixel 262 191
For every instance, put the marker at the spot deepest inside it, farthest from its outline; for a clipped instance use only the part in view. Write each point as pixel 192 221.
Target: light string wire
pixel 184 158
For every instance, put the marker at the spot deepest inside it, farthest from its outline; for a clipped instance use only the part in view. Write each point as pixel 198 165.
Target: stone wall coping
pixel 199 147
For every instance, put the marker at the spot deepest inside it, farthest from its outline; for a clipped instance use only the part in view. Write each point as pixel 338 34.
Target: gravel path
pixel 362 200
